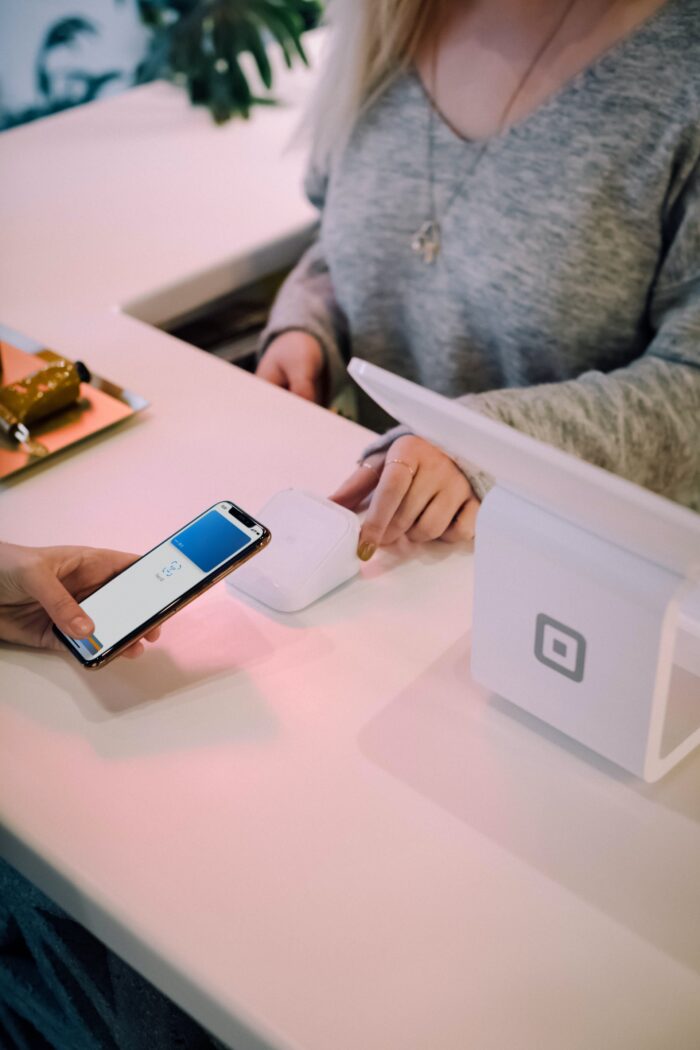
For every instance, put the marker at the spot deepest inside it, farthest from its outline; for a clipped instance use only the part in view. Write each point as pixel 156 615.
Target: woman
pixel 510 198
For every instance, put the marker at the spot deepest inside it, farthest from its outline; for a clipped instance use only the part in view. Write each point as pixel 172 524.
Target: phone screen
pixel 181 564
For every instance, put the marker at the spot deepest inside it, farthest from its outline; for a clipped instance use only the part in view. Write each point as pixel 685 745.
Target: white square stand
pixel 587 605
pixel 579 632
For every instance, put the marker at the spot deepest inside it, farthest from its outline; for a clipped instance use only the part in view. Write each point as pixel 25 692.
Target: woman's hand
pixel 294 360
pixel 39 587
pixel 418 492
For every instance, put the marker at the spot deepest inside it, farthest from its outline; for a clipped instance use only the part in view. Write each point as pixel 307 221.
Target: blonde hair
pixel 369 43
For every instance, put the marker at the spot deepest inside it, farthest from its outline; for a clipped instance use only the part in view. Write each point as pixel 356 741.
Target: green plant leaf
pixel 66 32
pixel 63 33
pixel 94 82
pixel 250 40
pixel 199 40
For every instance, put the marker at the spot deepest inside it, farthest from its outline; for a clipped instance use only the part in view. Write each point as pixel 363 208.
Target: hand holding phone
pixel 41 586
pixel 165 579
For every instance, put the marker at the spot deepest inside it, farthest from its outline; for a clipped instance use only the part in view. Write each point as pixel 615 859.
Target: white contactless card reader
pixel 586 595
pixel 313 550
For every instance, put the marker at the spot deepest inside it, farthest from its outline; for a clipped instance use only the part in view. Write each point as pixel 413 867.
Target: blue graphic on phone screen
pixel 210 540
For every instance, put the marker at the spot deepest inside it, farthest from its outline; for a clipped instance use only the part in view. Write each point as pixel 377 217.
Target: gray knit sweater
pixel 566 298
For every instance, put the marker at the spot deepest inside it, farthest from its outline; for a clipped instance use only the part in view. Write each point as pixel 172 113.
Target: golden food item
pixel 49 389
pixel 12 428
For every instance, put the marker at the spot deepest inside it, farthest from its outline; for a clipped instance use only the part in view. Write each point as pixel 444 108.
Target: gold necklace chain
pixel 427 241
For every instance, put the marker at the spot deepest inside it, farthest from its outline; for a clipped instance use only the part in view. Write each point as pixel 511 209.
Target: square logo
pixel 559 647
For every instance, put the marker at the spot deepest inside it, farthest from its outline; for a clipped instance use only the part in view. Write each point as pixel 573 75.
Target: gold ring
pixel 403 463
pixel 370 466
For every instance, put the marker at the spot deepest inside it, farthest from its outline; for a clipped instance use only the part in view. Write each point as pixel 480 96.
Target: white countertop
pixel 313 832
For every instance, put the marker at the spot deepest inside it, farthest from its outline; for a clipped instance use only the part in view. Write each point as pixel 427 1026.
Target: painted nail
pixel 366 550
pixel 81 626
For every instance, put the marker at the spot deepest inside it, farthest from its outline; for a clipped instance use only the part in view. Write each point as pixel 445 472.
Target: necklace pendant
pixel 426 241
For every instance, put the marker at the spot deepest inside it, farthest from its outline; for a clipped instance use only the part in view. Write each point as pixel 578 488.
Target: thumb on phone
pixel 59 604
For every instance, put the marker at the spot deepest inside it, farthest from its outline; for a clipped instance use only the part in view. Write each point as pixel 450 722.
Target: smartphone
pixel 164 580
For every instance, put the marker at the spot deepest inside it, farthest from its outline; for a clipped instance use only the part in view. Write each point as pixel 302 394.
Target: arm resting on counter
pixel 306 302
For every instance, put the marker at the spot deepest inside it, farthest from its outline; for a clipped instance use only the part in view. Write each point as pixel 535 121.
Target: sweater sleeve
pixel 306 301
pixel 642 421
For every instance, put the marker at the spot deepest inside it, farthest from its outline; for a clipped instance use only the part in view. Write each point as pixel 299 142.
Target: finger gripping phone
pixel 164 580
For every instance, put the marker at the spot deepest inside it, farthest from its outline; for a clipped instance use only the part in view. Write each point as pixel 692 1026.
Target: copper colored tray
pixel 102 404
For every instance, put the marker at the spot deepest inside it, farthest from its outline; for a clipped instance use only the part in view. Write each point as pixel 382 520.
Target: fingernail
pixel 366 550
pixel 80 626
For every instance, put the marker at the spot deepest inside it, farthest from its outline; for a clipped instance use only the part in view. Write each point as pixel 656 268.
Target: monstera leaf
pixel 64 33
pixel 198 42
